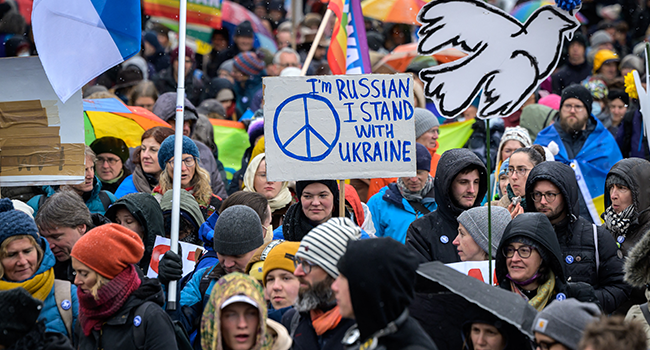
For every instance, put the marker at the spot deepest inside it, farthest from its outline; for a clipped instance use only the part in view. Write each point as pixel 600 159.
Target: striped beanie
pixel 249 63
pixel 326 243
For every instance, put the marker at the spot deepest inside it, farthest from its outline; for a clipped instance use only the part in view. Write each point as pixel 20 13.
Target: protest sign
pixel 161 246
pixel 41 138
pixel 339 127
pixel 476 269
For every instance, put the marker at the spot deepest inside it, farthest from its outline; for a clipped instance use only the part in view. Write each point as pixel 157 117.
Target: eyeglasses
pixel 189 162
pixel 524 251
pixel 543 344
pixel 550 196
pixel 101 160
pixel 520 171
pixel 577 108
pixel 306 265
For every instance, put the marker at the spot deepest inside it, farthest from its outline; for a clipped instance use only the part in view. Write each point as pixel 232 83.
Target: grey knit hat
pixel 516 133
pixel 565 321
pixel 326 243
pixel 600 37
pixel 475 221
pixel 238 231
pixel 424 120
pixel 615 179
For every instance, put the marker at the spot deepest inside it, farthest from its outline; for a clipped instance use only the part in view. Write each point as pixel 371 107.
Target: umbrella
pixel 393 11
pixel 232 14
pixel 110 117
pixel 524 10
pixel 507 306
pixel 402 56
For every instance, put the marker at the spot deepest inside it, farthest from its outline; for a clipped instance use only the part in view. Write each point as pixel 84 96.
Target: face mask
pixel 595 108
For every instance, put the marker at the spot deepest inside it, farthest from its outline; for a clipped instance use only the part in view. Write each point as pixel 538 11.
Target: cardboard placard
pixel 339 127
pixel 161 246
pixel 476 269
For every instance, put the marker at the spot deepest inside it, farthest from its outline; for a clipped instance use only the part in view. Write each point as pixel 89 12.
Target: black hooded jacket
pixel 430 237
pixel 576 237
pixel 144 208
pixel 379 301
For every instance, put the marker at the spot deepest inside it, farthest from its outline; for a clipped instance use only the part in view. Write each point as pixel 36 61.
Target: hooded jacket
pixel 144 208
pixel 118 331
pixel 392 213
pixel 93 202
pixel 576 237
pixel 377 302
pixel 430 236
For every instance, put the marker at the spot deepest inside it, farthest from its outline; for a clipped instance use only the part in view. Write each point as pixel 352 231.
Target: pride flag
pixel 348 52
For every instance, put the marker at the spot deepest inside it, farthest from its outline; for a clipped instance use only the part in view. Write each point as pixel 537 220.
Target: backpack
pixel 63 300
pixel 182 340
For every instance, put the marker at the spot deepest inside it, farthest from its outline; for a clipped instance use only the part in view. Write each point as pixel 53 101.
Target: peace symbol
pixel 312 143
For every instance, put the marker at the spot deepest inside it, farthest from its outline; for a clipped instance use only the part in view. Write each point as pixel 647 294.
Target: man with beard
pixel 316 321
pixel 589 251
pixel 584 144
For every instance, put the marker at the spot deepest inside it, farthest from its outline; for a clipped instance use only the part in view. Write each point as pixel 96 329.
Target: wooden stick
pixel 314 45
pixel 342 198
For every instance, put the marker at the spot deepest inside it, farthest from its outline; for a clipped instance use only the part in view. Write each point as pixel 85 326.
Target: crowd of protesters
pixel 284 267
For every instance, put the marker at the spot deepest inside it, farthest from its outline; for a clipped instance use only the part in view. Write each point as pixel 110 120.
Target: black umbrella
pixel 503 304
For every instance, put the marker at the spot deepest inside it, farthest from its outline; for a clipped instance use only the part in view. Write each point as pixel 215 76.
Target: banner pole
pixel 314 45
pixel 342 198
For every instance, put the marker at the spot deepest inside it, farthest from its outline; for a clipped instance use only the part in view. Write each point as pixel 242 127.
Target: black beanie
pixel 331 184
pixel 112 145
pixel 423 157
pixel 18 315
pixel 244 29
pixel 618 94
pixel 580 92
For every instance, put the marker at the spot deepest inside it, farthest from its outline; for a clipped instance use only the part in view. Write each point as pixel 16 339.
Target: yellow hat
pixel 280 257
pixel 256 270
pixel 602 57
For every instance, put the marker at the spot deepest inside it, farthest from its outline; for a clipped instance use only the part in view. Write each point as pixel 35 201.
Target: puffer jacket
pixel 144 208
pixel 430 236
pixel 576 237
pixel 93 202
pixel 392 214
pixel 637 274
pixel 118 331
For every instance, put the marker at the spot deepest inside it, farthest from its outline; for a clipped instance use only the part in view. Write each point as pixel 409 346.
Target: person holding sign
pixel 398 204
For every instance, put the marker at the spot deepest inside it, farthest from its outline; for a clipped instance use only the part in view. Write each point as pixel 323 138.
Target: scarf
pixel 39 286
pixel 619 223
pixel 110 298
pixel 325 321
pixel 295 225
pixel 414 196
pixel 281 199
pixel 116 179
pixel 512 195
pixel 143 181
pixel 544 293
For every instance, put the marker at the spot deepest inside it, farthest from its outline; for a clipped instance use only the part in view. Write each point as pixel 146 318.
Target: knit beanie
pixel 615 179
pixel 326 243
pixel 600 37
pixel 108 249
pixel 424 120
pixel 188 53
pixel 244 29
pixel 565 321
pixel 190 208
pixel 282 257
pixel 618 94
pixel 166 151
pixel 516 133
pixel 423 157
pixel 577 91
pixel 15 223
pixel 112 145
pixel 475 221
pixel 255 130
pixel 19 312
pixel 248 63
pixel 238 230
pixel 597 88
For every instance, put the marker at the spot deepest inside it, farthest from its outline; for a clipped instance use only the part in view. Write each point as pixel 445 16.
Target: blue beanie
pixel 423 157
pixel 166 151
pixel 15 223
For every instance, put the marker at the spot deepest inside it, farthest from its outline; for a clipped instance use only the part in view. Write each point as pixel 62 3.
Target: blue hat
pixel 15 223
pixel 166 151
pixel 423 157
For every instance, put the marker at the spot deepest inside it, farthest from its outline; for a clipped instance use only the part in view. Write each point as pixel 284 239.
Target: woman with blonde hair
pixel 194 178
pixel 276 192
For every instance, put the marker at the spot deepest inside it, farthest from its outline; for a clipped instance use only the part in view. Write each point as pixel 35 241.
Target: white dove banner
pixel 339 127
pixel 506 60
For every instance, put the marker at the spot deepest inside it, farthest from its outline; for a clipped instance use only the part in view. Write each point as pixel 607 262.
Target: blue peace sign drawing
pixel 317 147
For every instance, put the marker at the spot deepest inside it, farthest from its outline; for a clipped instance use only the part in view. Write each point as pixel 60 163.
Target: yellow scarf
pixel 544 293
pixel 39 286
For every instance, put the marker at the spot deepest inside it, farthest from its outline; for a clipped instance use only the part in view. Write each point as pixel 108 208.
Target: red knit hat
pixel 108 249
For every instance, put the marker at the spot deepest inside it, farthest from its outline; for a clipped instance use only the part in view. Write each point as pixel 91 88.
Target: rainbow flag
pixel 348 52
pixel 232 141
pixel 454 135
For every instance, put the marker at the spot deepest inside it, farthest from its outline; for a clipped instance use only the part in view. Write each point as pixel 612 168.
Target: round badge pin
pixel 569 259
pixel 560 296
pixel 66 305
pixel 137 321
pixel 620 239
pixel 444 239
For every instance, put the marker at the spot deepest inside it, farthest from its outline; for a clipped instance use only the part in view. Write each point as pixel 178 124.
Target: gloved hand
pixel 170 268
pixel 582 291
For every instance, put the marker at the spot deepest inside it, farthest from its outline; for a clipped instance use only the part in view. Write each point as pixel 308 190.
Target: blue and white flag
pixel 77 40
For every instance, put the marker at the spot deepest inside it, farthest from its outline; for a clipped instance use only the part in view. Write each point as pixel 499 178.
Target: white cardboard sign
pixel 476 269
pixel 339 127
pixel 506 59
pixel 161 246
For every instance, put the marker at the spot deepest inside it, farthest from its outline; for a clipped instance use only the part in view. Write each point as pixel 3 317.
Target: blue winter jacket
pixel 126 187
pixel 278 234
pixel 94 203
pixel 392 214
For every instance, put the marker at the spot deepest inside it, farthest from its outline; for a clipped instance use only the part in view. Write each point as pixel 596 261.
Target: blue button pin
pixel 569 259
pixel 560 296
pixel 444 239
pixel 66 305
pixel 137 320
pixel 620 239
